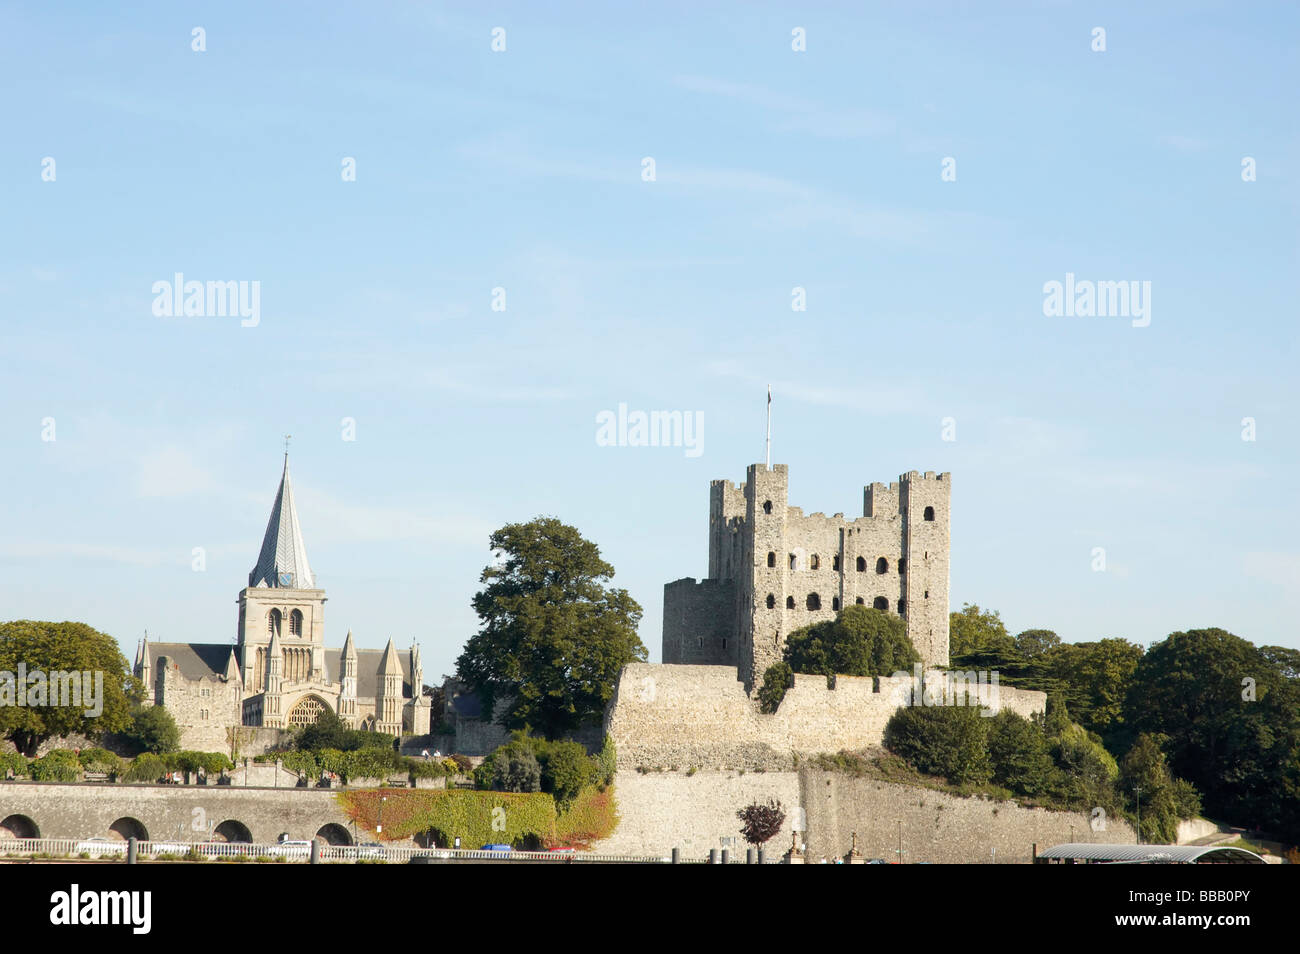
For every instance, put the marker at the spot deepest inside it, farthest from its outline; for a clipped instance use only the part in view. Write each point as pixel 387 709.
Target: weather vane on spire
pixel 287 438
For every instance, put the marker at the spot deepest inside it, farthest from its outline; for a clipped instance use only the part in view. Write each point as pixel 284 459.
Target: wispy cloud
pixel 793 113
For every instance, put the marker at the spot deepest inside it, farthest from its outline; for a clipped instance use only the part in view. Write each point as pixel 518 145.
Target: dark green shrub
pixel 778 678
pixel 154 730
pixel 1020 754
pixel 147 767
pixel 519 771
pixel 59 765
pixel 861 641
pixel 951 741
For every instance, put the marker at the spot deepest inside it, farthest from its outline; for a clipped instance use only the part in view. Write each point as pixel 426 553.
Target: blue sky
pixel 522 170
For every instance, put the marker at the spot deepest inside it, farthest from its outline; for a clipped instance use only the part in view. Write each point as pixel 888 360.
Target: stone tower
pixel 281 600
pixel 773 569
pixel 388 695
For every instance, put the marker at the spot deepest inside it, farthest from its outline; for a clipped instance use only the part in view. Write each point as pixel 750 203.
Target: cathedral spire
pixel 283 560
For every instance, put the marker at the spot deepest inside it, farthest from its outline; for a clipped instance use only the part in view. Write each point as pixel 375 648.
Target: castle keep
pixel 773 569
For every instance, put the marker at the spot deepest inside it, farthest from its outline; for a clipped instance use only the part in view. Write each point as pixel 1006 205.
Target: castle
pixel 773 569
pixel 278 673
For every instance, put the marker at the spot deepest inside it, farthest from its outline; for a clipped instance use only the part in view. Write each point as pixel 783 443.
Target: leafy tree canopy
pixel 153 729
pixel 1036 642
pixel 553 636
pixel 860 641
pixel 1230 722
pixel 974 628
pixel 62 647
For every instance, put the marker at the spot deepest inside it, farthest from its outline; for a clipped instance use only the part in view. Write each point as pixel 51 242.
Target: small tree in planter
pixel 760 822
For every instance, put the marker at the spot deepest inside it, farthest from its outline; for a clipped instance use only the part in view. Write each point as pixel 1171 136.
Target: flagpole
pixel 769 427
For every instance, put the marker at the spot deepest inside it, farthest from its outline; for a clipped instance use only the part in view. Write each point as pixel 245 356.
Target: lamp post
pixel 379 823
pixel 900 842
pixel 1138 790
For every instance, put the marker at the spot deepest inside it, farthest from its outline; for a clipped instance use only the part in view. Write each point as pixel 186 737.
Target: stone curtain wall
pixel 936 827
pixel 660 811
pixel 700 716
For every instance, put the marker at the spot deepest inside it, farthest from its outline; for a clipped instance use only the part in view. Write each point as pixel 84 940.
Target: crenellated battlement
pixel 778 569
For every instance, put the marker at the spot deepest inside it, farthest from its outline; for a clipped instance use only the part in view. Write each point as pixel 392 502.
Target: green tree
pixel 974 628
pixel 1096 677
pixel 1037 642
pixel 1161 800
pixel 327 732
pixel 51 648
pixel 554 637
pixel 951 741
pixel 1020 754
pixel 860 641
pixel 153 729
pixel 1230 721
pixel 778 678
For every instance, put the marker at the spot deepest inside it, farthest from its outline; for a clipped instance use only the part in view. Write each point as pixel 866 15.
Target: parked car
pixel 99 847
pixel 168 848
pixel 371 849
pixel 496 848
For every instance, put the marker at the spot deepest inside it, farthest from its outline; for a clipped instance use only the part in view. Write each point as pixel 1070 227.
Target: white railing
pixel 293 853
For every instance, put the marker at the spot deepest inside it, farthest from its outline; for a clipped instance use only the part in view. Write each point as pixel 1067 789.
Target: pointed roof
pixel 390 663
pixel 232 667
pixel 349 650
pixel 283 560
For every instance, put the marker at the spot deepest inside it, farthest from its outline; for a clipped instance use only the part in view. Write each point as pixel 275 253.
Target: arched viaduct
pixel 171 813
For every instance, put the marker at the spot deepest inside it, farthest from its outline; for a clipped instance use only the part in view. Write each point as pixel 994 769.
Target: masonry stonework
pixel 773 569
pixel 683 716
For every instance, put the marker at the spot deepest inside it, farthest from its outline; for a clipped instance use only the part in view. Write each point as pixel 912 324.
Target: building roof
pixel 1154 854
pixel 283 560
pixel 196 660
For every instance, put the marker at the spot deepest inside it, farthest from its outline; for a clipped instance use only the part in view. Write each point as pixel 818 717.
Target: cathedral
pixel 278 674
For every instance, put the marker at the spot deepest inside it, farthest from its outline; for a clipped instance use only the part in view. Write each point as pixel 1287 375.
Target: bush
pixel 147 767
pixel 778 678
pixel 951 741
pixel 463 764
pixel 13 760
pixel 566 769
pixel 100 760
pixel 154 730
pixel 212 763
pixel 60 765
pixel 1020 755
pixel 606 762
pixel 859 642
pixel 519 771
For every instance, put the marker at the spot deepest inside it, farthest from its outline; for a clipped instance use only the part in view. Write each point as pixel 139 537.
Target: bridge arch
pixel 231 830
pixel 334 834
pixel 125 828
pixel 19 826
